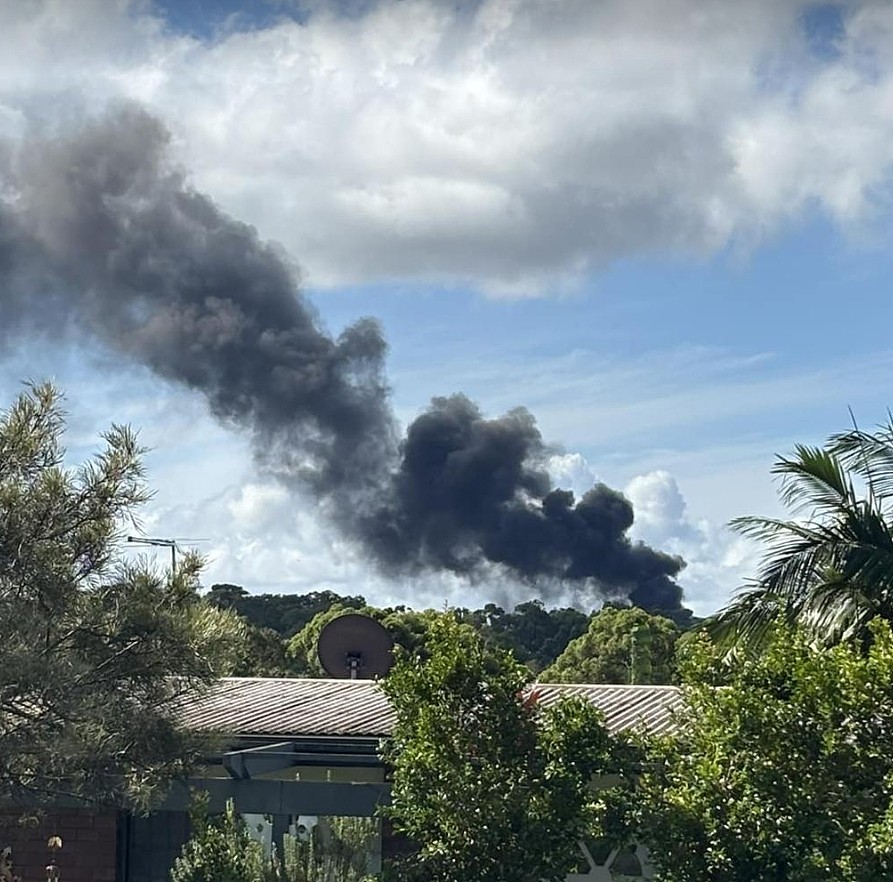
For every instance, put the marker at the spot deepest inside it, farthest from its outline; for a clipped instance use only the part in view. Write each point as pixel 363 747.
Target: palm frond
pixel 747 622
pixel 830 570
pixel 868 567
pixel 858 543
pixel 815 480
pixel 863 550
pixel 868 455
pixel 833 611
pixel 828 612
pixel 796 554
pixel 768 529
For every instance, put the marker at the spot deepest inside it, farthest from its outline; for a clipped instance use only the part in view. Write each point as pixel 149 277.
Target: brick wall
pixel 89 844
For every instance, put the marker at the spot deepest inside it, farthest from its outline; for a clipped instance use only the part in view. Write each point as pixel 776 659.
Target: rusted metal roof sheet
pixel 293 708
pixel 625 708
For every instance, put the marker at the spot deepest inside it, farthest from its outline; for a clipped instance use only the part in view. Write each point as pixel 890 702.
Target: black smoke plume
pixel 469 489
pixel 101 235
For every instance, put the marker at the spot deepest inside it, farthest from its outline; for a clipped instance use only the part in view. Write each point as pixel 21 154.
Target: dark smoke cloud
pixel 98 232
pixel 158 272
pixel 470 489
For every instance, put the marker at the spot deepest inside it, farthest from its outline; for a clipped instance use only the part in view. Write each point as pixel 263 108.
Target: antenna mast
pixel 163 543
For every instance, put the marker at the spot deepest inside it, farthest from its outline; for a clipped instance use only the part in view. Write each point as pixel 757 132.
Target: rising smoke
pixel 101 235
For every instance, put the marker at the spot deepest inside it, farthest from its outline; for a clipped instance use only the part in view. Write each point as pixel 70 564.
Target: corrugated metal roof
pixel 624 708
pixel 292 708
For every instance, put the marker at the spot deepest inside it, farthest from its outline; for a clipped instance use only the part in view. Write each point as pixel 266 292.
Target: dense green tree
pixel 536 635
pixel 265 654
pixel 221 849
pixel 409 627
pixel 226 596
pixel 830 569
pixel 783 775
pixel 94 651
pixel 622 645
pixel 284 613
pixel 302 647
pixel 491 786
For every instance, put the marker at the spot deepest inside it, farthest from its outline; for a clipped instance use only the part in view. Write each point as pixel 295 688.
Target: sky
pixel 662 226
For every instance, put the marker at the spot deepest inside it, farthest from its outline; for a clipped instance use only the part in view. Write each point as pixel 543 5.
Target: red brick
pixel 89 844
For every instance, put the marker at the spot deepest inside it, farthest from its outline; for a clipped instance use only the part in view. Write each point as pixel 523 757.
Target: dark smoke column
pixel 101 236
pixel 127 252
pixel 470 492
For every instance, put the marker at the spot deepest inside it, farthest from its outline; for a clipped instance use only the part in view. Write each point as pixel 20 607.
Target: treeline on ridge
pixel 615 644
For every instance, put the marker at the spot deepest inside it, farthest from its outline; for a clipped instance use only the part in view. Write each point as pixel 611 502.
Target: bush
pixel 336 851
pixel 221 850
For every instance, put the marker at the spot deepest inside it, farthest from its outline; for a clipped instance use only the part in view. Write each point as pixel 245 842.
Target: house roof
pixel 295 708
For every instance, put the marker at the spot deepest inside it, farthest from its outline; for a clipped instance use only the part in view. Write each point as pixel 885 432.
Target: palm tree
pixel 830 570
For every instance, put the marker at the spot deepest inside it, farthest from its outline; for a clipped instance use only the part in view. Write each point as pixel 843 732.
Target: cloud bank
pixel 514 145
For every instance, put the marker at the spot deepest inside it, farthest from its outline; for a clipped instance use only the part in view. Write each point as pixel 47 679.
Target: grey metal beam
pixel 255 760
pixel 281 797
pixel 336 760
pixel 252 761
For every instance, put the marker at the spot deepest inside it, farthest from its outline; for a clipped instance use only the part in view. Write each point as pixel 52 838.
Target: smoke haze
pixel 100 235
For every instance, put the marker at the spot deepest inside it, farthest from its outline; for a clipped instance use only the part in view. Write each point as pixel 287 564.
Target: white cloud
pixel 571 471
pixel 658 502
pixel 512 144
pixel 717 560
pixel 266 540
pixel 258 506
pixel 257 535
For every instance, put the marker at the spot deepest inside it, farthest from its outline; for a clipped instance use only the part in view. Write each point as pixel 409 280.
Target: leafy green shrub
pixel 336 851
pixel 221 850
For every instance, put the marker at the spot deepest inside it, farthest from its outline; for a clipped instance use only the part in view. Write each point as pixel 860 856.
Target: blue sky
pixel 663 227
pixel 206 19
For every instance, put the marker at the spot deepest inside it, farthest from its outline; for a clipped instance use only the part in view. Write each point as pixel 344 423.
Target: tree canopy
pixel 534 634
pixel 408 628
pixel 785 774
pixel 94 650
pixel 492 786
pixel 265 654
pixel 286 614
pixel 621 645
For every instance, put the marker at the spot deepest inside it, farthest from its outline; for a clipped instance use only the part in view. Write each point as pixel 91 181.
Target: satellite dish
pixel 355 647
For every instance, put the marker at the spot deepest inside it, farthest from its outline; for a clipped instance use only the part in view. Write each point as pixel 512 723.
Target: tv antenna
pixel 355 647
pixel 163 543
